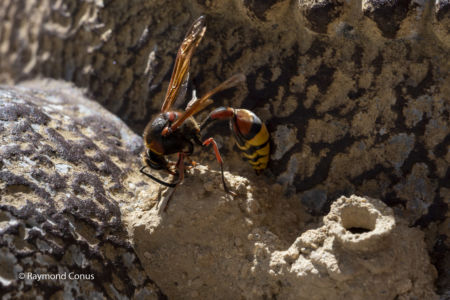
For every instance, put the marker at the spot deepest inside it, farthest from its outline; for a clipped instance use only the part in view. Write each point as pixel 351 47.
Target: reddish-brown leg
pixel 180 165
pixel 206 143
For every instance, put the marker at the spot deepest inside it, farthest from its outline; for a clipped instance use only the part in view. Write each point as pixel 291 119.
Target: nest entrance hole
pixel 358 220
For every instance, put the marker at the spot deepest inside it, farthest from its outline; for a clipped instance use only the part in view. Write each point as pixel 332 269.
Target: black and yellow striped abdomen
pixel 252 138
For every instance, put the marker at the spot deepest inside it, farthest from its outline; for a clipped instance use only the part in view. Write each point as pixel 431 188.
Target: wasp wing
pixel 203 106
pixel 201 103
pixel 181 94
pixel 194 99
pixel 181 68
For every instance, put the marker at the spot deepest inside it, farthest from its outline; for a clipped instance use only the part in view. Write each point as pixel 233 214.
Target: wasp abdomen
pixel 251 135
pixel 252 138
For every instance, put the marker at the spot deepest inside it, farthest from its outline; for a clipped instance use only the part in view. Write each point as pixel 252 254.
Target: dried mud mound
pixel 256 245
pixel 63 162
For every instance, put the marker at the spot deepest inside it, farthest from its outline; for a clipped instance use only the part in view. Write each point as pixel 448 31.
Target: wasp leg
pixel 207 142
pixel 180 166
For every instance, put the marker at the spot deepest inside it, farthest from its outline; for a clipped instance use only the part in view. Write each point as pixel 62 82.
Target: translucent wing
pixel 181 68
pixel 194 99
pixel 201 103
pixel 181 94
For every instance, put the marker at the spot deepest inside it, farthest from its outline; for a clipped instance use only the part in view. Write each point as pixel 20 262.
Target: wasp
pixel 176 132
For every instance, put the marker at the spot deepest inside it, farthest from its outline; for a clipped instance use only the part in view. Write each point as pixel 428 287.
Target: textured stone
pixel 388 14
pixel 351 86
pixel 320 13
pixel 314 200
pixel 63 163
pixel 442 9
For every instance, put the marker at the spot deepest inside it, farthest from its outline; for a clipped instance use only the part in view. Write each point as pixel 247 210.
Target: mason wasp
pixel 173 131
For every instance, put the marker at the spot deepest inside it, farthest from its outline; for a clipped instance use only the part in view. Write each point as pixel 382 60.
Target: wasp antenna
pixel 172 184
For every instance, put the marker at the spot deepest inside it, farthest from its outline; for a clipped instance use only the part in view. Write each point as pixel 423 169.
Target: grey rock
pixel 63 161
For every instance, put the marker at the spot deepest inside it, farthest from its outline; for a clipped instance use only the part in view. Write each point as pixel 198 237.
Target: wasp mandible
pixel 173 131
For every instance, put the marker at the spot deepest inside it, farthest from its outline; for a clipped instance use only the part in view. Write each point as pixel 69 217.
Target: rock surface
pixel 355 93
pixel 64 162
pixel 351 80
pixel 73 202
